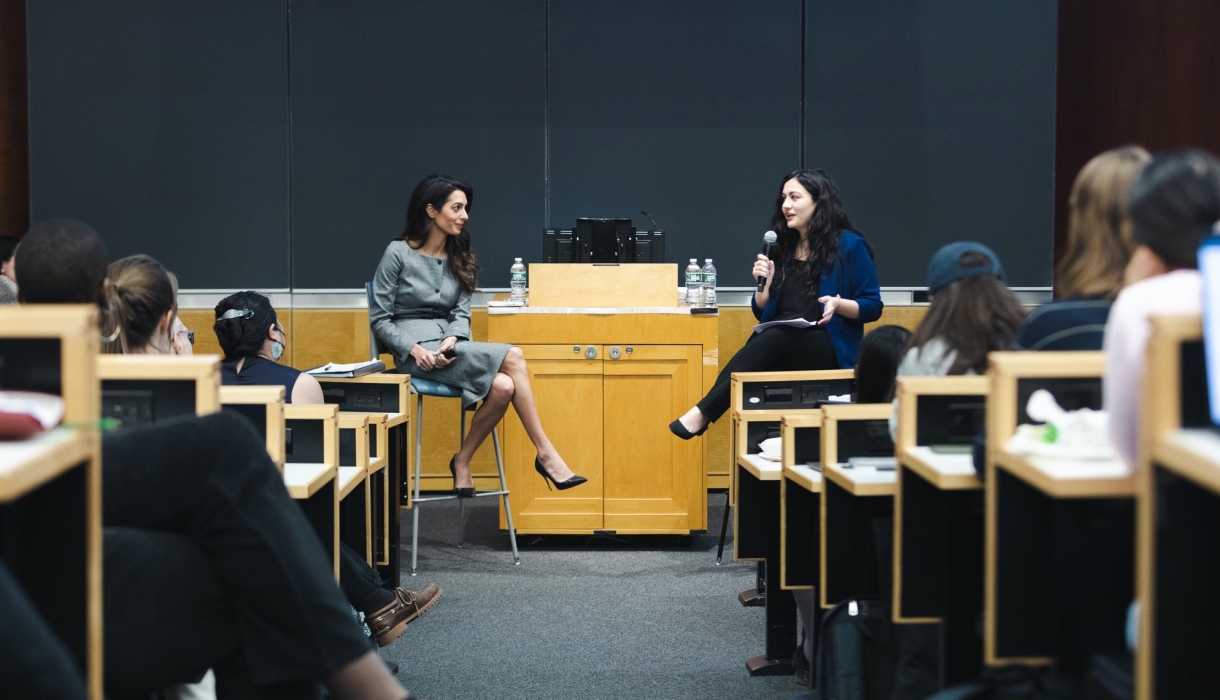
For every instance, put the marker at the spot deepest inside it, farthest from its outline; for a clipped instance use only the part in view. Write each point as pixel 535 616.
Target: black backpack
pixel 856 653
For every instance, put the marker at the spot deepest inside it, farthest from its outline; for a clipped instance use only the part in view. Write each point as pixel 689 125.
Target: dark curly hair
pixel 435 190
pixel 243 336
pixel 828 221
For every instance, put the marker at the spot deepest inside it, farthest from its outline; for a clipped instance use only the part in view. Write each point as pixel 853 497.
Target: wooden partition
pixel 50 485
pixel 1178 521
pixel 1023 495
pixel 264 407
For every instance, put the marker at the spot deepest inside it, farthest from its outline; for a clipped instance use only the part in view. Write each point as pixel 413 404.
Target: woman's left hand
pixel 829 306
pixel 446 344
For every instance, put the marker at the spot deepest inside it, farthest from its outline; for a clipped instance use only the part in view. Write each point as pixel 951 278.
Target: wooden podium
pixel 613 358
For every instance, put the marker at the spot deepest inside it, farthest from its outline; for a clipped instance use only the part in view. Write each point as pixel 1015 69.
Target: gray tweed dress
pixel 417 300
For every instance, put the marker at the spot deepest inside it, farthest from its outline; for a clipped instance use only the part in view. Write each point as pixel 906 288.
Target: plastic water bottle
pixel 694 283
pixel 709 283
pixel 517 279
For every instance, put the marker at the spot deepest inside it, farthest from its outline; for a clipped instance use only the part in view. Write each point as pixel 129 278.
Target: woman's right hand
pixel 763 267
pixel 428 360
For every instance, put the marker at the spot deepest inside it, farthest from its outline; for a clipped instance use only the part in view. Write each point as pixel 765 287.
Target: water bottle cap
pixel 694 260
pixel 517 259
pixel 707 260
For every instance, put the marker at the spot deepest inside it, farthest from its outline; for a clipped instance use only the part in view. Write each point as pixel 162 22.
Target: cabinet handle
pixel 591 352
pixel 576 349
pixel 628 349
pixel 615 353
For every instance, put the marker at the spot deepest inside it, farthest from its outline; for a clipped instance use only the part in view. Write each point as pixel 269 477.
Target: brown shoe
pixel 390 622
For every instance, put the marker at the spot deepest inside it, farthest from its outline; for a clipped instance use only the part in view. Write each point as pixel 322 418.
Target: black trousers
pixel 33 662
pixel 776 349
pixel 210 564
pixel 360 582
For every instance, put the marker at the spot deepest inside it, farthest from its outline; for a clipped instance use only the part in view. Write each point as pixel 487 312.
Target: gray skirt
pixel 472 372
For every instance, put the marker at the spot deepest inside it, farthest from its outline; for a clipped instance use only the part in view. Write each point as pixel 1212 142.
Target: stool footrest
pixel 481 494
pixel 430 499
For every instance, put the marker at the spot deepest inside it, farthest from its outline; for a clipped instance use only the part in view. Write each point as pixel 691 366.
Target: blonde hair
pixel 1099 242
pixel 141 292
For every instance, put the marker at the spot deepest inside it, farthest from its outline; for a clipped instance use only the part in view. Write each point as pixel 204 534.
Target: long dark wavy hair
pixel 435 190
pixel 973 316
pixel 828 221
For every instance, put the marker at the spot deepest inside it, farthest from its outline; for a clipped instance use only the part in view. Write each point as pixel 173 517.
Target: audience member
pixel 253 342
pixel 8 285
pixel 881 351
pixel 1099 246
pixel 1174 204
pixel 207 561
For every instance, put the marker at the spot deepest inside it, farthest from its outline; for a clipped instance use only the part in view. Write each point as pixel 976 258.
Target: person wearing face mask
pixel 821 271
pixel 253 340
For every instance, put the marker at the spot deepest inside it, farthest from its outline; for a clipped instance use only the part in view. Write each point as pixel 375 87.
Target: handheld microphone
pixel 768 241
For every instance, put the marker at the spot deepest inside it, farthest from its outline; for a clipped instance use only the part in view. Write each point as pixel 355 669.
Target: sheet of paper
pixel 335 367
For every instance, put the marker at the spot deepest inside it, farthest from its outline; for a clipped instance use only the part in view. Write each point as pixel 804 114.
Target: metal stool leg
pixel 508 511
pixel 415 504
pixel 724 529
pixel 461 501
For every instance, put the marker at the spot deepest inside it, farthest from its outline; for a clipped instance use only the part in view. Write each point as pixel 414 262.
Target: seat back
pixel 375 348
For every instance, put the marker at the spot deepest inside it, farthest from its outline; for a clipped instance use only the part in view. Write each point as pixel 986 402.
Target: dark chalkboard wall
pixel 266 144
pixel 165 126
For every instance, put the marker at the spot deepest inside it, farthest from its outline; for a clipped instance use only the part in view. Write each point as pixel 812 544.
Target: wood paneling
pixel 318 336
pixel 14 122
pixel 1133 71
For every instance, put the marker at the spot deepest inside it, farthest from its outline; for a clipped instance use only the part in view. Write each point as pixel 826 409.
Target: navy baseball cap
pixel 946 267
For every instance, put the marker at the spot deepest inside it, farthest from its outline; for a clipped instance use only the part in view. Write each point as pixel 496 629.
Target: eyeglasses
pixel 190 335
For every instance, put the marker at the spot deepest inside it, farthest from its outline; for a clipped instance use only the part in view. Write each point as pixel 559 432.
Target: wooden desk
pixel 1178 522
pixel 140 389
pixel 355 522
pixel 852 498
pixel 389 395
pixel 938 518
pixel 50 486
pixel 800 492
pixel 263 406
pixel 311 469
pixel 607 383
pixel 1027 496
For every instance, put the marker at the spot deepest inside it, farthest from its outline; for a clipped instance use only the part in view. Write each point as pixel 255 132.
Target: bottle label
pixel 518 276
pixel 692 278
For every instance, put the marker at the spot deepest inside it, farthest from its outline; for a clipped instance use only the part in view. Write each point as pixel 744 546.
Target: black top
pixel 259 371
pixel 793 303
pixel 1066 324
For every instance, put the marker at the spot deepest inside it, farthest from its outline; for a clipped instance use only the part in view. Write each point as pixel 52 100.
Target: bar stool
pixel 421 388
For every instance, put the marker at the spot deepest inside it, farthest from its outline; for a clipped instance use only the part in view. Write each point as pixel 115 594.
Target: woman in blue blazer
pixel 821 272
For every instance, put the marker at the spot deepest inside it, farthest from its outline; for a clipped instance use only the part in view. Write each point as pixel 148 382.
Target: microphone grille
pixel 770 237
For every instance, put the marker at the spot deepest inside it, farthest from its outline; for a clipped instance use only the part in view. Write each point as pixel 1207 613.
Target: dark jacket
pixel 853 276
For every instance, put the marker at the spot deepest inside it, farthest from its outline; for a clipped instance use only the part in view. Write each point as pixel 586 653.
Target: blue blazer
pixel 853 277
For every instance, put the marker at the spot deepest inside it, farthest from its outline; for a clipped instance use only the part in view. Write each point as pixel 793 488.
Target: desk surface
pixel 1194 454
pixel 948 472
pixel 804 476
pixel 594 310
pixel 349 478
pixel 863 481
pixel 263 394
pixel 303 480
pixel 28 464
pixel 1070 478
pixel 763 469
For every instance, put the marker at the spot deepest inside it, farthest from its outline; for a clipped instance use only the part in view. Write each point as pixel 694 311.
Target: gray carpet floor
pixel 582 617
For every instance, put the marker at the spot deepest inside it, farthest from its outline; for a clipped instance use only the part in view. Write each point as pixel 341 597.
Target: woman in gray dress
pixel 421 312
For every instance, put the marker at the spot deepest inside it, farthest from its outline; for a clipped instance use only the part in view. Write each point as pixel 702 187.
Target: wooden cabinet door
pixel 653 481
pixel 567 388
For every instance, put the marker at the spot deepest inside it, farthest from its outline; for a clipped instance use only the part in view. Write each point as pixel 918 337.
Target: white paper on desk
pixel 794 323
pixel 336 367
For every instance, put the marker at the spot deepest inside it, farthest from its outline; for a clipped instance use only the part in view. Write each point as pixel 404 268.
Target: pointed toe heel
pixel 680 430
pixel 574 480
pixel 465 492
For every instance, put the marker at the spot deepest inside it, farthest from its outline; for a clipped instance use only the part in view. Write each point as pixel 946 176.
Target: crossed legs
pixel 511 385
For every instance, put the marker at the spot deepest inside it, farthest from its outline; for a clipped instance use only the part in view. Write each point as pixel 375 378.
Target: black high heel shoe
pixel 680 430
pixel 465 492
pixel 574 480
